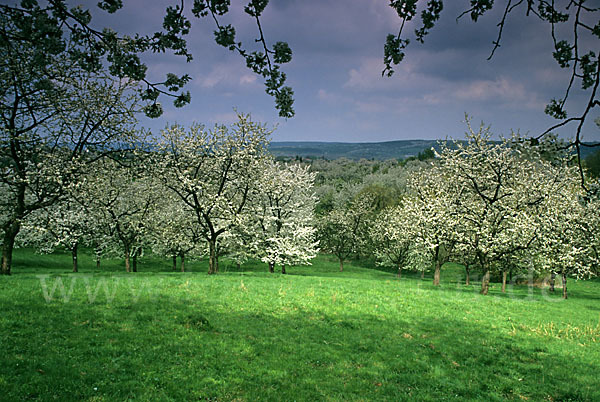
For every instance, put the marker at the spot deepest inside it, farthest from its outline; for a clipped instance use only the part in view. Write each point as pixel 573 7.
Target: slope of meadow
pixel 314 334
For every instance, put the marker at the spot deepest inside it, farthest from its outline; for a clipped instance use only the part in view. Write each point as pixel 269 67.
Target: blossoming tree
pixel 213 172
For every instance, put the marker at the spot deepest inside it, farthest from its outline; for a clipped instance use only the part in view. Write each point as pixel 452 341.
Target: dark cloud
pixel 336 71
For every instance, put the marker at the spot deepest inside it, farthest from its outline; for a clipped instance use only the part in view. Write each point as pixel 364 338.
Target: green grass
pixel 314 334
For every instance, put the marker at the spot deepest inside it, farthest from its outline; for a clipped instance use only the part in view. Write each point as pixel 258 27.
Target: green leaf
pixel 392 53
pixel 150 94
pixel 563 53
pixel 555 109
pixel 225 36
pixel 283 53
pixel 200 9
pixel 480 7
pixel 153 110
pixel 110 5
pixel 596 30
pixel 406 9
pixel 429 16
pixel 549 13
pixel 183 99
pixel 28 4
pixel 283 102
pixel 588 70
pixel 219 7
pixel 82 15
pixel 256 7
pixel 257 61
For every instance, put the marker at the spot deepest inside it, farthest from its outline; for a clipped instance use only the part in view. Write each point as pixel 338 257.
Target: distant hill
pixel 351 150
pixel 400 149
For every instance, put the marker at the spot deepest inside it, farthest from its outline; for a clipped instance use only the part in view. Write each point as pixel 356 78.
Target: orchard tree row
pixel 71 169
pixel 497 207
pixel 185 193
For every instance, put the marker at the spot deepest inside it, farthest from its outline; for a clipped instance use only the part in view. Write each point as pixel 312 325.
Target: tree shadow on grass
pixel 169 348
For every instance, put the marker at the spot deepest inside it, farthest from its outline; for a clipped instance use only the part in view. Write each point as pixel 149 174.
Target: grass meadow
pixel 313 334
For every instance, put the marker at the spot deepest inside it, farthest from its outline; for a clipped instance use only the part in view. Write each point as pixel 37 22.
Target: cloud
pixel 328 97
pixel 368 75
pixel 226 75
pixel 370 107
pixel 337 65
pixel 330 28
pixel 411 84
pixel 351 103
pixel 488 89
pixel 247 79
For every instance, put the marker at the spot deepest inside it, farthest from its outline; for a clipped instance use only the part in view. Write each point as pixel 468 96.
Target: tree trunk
pixel 564 283
pixel 134 261
pixel 485 282
pixel 74 257
pixel 436 274
pixel 10 233
pixel 239 266
pixel 174 262
pixel 422 274
pixel 213 261
pixel 283 269
pixel 97 260
pixel 552 281
pixel 271 267
pixel 399 271
pixel 467 270
pixel 504 274
pixel 341 265
pixel 182 257
pixel 127 261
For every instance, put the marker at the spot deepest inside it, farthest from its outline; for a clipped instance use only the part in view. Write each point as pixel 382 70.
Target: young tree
pixel 213 172
pixel 393 237
pixel 65 224
pixel 121 201
pixel 241 242
pixel 431 208
pixel 283 214
pixel 336 232
pixel 341 230
pixel 172 227
pixel 569 239
pixel 500 190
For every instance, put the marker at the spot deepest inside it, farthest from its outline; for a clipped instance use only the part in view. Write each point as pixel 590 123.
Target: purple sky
pixel 336 73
